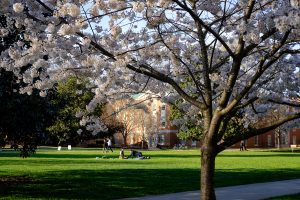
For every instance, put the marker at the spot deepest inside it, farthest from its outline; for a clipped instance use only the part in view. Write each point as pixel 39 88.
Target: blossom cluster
pixel 130 46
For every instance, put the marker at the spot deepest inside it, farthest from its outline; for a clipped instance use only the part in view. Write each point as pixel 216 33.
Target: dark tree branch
pixel 262 67
pixel 254 132
pixel 207 27
pixel 295 104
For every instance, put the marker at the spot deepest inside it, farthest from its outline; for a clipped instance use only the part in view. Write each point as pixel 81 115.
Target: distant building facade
pixel 147 120
pixel 266 140
pixel 294 136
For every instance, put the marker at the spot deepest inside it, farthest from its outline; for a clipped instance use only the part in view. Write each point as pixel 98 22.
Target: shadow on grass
pixel 247 176
pixel 105 184
pixel 115 184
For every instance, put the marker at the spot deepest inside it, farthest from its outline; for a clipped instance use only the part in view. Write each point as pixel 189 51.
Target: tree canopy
pixel 221 57
pixel 67 100
pixel 24 117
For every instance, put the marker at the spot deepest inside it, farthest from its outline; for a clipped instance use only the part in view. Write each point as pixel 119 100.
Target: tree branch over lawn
pixel 256 131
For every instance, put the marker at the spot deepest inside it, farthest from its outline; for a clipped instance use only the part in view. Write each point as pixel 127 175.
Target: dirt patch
pixel 14 180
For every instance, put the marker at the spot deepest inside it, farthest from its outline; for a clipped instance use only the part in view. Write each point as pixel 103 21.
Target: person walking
pixel 242 145
pixel 109 145
pixel 105 145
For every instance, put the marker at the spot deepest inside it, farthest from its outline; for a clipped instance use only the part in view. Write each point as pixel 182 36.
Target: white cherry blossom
pixel 242 58
pixel 18 7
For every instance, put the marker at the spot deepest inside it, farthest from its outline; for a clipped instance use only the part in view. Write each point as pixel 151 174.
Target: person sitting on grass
pixel 137 155
pixel 122 155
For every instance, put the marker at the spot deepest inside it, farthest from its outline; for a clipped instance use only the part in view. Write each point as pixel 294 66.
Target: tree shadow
pixel 240 176
pixel 106 184
pixel 123 183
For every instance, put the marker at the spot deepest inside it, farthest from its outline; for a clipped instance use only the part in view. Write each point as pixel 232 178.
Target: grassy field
pixel 77 174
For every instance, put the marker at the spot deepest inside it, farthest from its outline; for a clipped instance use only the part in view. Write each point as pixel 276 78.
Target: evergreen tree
pixel 23 117
pixel 69 98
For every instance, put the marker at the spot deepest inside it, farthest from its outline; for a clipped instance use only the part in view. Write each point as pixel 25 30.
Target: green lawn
pixel 77 174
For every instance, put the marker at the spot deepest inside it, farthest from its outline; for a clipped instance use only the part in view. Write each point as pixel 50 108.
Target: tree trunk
pixel 124 139
pixel 208 156
pixel 278 138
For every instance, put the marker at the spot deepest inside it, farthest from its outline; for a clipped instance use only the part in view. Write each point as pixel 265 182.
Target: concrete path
pixel 242 192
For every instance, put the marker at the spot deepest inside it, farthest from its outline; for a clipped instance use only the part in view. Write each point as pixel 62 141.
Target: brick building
pixel 294 133
pixel 294 136
pixel 149 121
pixel 166 135
pixel 146 119
pixel 266 140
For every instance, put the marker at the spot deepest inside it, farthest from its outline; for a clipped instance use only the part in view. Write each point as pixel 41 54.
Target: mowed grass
pixel 77 174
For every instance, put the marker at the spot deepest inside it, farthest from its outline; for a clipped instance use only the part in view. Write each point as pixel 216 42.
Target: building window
pixel 256 140
pixel 269 140
pixel 161 139
pixel 294 139
pixel 194 143
pixel 163 116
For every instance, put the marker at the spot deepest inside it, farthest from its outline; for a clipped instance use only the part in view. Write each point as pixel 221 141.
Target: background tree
pixel 148 125
pixel 68 100
pixel 126 126
pixel 281 132
pixel 132 117
pixel 24 117
pixel 237 56
pixel 121 117
pixel 190 129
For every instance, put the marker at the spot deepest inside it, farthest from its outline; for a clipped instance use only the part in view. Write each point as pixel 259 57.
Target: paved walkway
pixel 242 192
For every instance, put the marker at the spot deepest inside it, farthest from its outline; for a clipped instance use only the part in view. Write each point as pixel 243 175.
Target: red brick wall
pixel 294 132
pixel 262 141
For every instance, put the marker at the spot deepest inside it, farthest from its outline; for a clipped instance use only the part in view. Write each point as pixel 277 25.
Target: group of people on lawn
pixel 107 145
pixel 133 154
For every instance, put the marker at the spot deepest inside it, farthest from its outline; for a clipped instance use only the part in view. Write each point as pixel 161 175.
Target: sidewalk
pixel 242 192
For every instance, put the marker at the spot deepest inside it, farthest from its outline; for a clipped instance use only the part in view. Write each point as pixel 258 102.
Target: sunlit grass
pixel 77 174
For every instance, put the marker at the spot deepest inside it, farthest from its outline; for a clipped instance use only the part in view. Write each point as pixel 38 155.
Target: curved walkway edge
pixel 255 191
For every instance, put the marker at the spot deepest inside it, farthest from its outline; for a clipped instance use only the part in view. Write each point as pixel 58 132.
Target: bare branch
pixel 292 104
pixel 186 66
pixel 262 67
pixel 209 29
pixel 109 13
pixel 255 131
